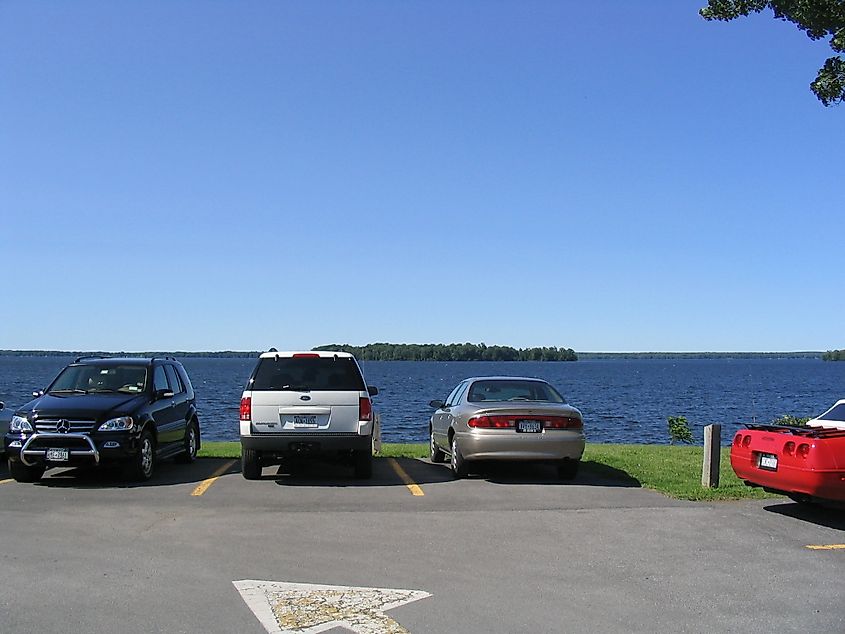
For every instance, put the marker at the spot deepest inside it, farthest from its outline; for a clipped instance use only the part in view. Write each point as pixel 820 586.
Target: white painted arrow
pixel 304 608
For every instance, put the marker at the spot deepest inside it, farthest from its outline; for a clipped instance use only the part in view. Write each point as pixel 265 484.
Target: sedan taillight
pixel 509 421
pixel 246 408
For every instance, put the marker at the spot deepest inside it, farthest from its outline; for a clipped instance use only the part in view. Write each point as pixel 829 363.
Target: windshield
pixel 837 413
pixel 302 374
pixel 94 379
pixel 511 390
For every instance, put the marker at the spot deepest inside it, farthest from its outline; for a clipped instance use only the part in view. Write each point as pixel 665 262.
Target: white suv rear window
pixel 307 373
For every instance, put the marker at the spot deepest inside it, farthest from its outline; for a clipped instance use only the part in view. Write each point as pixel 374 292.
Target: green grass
pixel 673 470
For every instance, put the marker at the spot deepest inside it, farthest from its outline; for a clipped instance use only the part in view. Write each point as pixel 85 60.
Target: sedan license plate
pixel 305 420
pixel 529 426
pixel 57 455
pixel 768 461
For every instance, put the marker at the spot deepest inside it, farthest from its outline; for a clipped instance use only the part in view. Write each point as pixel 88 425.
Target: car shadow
pixel 829 516
pixel 167 473
pixel 589 474
pixel 318 473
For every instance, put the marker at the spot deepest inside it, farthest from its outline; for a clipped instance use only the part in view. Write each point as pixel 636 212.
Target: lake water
pixel 623 400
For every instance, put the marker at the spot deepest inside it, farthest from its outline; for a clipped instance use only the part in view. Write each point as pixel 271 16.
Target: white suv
pixel 307 404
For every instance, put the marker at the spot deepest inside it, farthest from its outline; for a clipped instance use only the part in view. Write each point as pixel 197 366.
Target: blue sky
pixel 606 176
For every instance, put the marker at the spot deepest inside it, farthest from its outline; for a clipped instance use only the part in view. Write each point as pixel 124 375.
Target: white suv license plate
pixel 309 420
pixel 768 461
pixel 57 455
pixel 529 426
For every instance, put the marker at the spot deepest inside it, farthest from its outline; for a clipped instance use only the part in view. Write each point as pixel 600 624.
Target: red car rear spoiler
pixel 810 432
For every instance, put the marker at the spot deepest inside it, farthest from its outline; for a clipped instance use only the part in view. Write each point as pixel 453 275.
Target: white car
pixel 307 405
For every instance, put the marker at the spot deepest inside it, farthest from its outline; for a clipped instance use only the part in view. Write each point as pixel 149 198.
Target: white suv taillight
pixel 246 408
pixel 365 409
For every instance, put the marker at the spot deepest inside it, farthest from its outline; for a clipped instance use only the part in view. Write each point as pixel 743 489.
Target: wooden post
pixel 712 456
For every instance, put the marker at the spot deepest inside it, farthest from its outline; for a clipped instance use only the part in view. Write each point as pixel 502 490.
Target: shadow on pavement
pixel 589 474
pixel 168 473
pixel 827 516
pixel 318 473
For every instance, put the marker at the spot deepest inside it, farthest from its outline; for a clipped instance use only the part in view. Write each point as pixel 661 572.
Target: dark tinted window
pixel 836 413
pixel 173 378
pixel 508 390
pixel 159 379
pixel 310 373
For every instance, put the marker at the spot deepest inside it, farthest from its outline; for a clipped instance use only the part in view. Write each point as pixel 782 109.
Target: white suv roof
pixel 290 353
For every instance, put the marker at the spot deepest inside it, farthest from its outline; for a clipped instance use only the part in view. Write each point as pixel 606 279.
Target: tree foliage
pixel 451 352
pixel 679 430
pixel 819 19
pixel 834 355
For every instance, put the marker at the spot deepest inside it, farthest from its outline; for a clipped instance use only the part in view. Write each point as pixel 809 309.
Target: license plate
pixel 57 455
pixel 768 461
pixel 308 420
pixel 529 426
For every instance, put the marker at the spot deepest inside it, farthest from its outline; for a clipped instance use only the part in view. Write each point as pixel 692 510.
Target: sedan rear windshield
pixel 836 413
pixel 309 373
pixel 507 390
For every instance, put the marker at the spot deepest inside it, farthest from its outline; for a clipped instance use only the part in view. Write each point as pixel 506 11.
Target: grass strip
pixel 672 470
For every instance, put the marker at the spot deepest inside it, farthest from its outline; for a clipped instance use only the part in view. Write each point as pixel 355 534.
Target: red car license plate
pixel 768 461
pixel 529 426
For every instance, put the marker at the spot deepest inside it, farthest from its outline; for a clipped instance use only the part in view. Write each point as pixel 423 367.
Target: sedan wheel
pixel 435 452
pixel 457 462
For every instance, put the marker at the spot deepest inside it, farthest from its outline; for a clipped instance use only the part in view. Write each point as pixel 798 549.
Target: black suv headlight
pixel 19 424
pixel 121 423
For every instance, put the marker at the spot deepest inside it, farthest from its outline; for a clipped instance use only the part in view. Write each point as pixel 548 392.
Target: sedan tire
pixel 457 462
pixel 437 455
pixel 567 469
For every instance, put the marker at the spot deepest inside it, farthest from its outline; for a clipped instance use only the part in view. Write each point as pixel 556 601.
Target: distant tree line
pixel 451 352
pixel 700 355
pixel 222 354
pixel 834 355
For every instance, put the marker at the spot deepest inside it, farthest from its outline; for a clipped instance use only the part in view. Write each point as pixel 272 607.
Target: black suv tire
pixel 141 468
pixel 22 473
pixel 250 464
pixel 192 441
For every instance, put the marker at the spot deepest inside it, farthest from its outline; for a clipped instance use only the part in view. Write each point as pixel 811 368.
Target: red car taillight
pixel 365 409
pixel 789 448
pixel 803 450
pixel 246 408
pixel 746 441
pixel 737 440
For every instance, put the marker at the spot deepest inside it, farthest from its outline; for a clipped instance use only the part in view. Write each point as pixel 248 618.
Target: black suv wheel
pixel 22 473
pixel 142 467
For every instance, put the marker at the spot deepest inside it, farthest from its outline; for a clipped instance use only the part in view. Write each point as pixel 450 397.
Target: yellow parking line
pixel 413 487
pixel 827 547
pixel 202 487
pixel 6 481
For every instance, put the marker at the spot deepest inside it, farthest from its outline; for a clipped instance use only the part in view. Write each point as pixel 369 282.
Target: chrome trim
pixel 52 424
pixel 71 452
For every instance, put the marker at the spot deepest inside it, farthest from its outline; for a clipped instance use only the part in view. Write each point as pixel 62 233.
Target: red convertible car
pixel 805 463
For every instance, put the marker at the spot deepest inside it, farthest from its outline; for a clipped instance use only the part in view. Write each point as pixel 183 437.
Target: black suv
pixel 106 410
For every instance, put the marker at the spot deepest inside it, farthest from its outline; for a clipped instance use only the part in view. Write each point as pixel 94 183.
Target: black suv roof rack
pixel 90 356
pixel 165 358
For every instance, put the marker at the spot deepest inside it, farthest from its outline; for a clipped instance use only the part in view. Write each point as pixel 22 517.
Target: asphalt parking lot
pixel 513 550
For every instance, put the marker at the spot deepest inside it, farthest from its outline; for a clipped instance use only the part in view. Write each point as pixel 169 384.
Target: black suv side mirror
pixel 372 390
pixel 37 393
